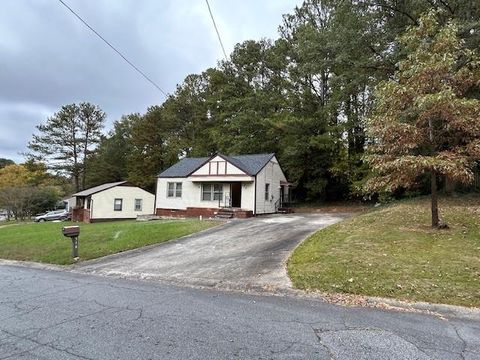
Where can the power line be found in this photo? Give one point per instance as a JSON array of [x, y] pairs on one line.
[[216, 29], [114, 49]]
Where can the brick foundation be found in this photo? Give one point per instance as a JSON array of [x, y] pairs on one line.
[[170, 212], [196, 212], [205, 212], [189, 212]]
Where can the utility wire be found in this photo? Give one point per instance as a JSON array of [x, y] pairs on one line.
[[216, 29], [114, 49]]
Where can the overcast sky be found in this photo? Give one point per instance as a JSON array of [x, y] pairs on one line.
[[48, 58]]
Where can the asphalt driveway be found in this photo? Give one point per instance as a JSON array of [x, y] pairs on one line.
[[240, 254]]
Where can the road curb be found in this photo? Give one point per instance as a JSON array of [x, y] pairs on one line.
[[33, 265], [444, 310], [440, 310]]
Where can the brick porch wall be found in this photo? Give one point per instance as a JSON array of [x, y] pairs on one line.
[[81, 215], [243, 214], [189, 212], [196, 212]]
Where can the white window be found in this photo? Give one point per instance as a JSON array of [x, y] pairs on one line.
[[171, 189], [117, 204], [206, 192], [178, 190], [267, 191], [138, 204], [218, 192], [174, 189], [212, 192]]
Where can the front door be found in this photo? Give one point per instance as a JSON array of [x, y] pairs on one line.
[[236, 194]]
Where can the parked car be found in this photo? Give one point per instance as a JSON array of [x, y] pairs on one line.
[[54, 215]]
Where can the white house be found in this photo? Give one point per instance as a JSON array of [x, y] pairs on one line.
[[244, 185], [112, 201]]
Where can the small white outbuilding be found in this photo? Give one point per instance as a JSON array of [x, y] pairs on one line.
[[112, 201]]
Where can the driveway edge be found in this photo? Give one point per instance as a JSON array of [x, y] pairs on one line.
[[141, 249]]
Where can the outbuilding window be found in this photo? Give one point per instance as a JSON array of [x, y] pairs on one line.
[[174, 189], [117, 204], [267, 191], [212, 192], [138, 204]]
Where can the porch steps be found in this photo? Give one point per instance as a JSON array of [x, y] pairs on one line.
[[285, 210], [225, 213]]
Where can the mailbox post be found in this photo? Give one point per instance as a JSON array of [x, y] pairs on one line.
[[72, 232]]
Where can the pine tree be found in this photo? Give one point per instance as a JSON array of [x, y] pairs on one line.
[[66, 139]]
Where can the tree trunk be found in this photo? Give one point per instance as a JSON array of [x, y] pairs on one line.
[[83, 173], [76, 180], [435, 220], [449, 185], [85, 151]]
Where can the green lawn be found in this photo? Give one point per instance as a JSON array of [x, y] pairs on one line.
[[44, 242], [392, 252]]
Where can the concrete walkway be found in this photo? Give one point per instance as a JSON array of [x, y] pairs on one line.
[[241, 254]]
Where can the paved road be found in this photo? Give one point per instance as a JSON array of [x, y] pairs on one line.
[[241, 254], [63, 315]]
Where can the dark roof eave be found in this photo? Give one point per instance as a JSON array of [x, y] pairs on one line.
[[170, 177], [99, 188]]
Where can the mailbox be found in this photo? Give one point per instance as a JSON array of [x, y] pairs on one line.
[[72, 232]]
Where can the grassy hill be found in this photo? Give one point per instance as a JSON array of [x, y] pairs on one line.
[[393, 252]]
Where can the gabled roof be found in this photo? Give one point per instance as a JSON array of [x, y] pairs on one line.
[[184, 167], [98, 188], [250, 164]]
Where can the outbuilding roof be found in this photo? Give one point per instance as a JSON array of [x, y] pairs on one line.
[[251, 164], [98, 188]]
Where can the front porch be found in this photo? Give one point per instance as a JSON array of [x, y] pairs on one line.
[[81, 210], [219, 193], [229, 213]]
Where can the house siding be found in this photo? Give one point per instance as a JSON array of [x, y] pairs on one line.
[[271, 174], [248, 190], [191, 195]]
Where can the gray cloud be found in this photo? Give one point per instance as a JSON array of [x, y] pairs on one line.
[[48, 58]]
